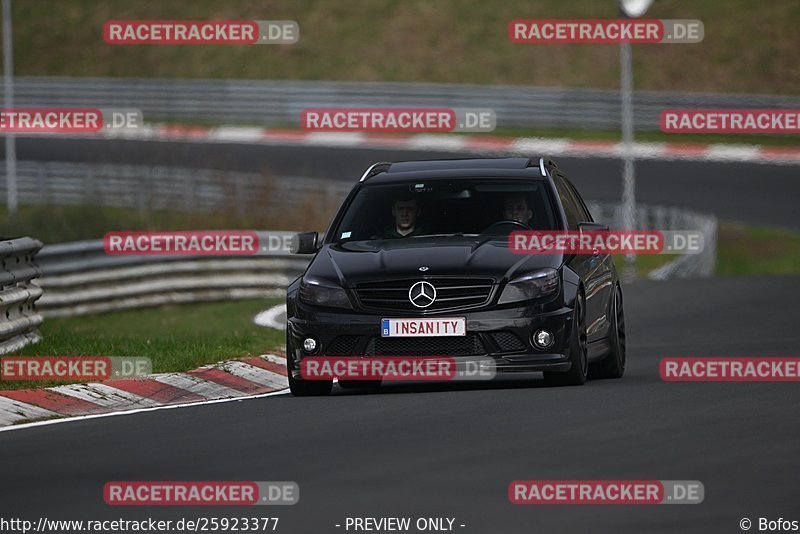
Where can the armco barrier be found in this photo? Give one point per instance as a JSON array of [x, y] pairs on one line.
[[18, 293], [275, 102], [148, 187], [669, 219], [80, 278]]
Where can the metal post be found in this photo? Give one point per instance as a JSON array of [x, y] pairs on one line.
[[8, 73], [628, 175]]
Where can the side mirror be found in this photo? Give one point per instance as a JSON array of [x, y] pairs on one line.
[[305, 243], [592, 227]]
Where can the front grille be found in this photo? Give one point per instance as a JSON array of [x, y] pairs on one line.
[[342, 346], [507, 341], [469, 345], [451, 294]]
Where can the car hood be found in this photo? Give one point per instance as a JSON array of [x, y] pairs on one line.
[[352, 262]]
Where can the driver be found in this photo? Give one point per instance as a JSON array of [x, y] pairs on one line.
[[405, 214], [515, 208]]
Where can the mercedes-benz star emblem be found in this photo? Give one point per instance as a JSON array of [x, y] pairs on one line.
[[422, 294]]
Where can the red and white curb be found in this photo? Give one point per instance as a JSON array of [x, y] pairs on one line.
[[480, 144], [272, 318], [234, 379]]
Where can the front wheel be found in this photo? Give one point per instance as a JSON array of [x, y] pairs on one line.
[[613, 366], [578, 351]]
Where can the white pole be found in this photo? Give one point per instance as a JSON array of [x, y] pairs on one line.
[[8, 79], [628, 174]]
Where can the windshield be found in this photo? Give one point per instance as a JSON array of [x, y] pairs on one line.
[[474, 206]]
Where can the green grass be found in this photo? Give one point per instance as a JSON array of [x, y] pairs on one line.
[[741, 250], [175, 338], [57, 224], [746, 250], [749, 46]]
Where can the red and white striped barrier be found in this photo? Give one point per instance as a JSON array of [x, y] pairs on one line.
[[480, 144]]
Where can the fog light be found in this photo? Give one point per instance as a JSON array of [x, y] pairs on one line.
[[542, 339], [309, 344]]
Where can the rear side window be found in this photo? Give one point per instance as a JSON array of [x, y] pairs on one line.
[[583, 211], [571, 209]]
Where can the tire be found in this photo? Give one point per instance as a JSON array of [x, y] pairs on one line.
[[578, 351], [360, 384], [304, 388], [613, 366]]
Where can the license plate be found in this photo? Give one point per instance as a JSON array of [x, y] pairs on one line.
[[448, 326]]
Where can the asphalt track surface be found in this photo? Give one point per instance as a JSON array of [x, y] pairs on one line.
[[753, 193], [451, 451]]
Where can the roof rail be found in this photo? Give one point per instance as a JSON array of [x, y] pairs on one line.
[[542, 163], [546, 163], [375, 168]]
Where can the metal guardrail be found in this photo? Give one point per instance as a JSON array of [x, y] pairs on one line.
[[147, 187], [271, 102], [80, 278], [669, 218], [18, 293]]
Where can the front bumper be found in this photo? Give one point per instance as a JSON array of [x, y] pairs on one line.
[[501, 334]]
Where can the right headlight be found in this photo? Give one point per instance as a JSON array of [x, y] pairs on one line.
[[323, 293], [531, 286]]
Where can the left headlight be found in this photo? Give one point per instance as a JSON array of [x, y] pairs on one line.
[[322, 293], [531, 286]]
